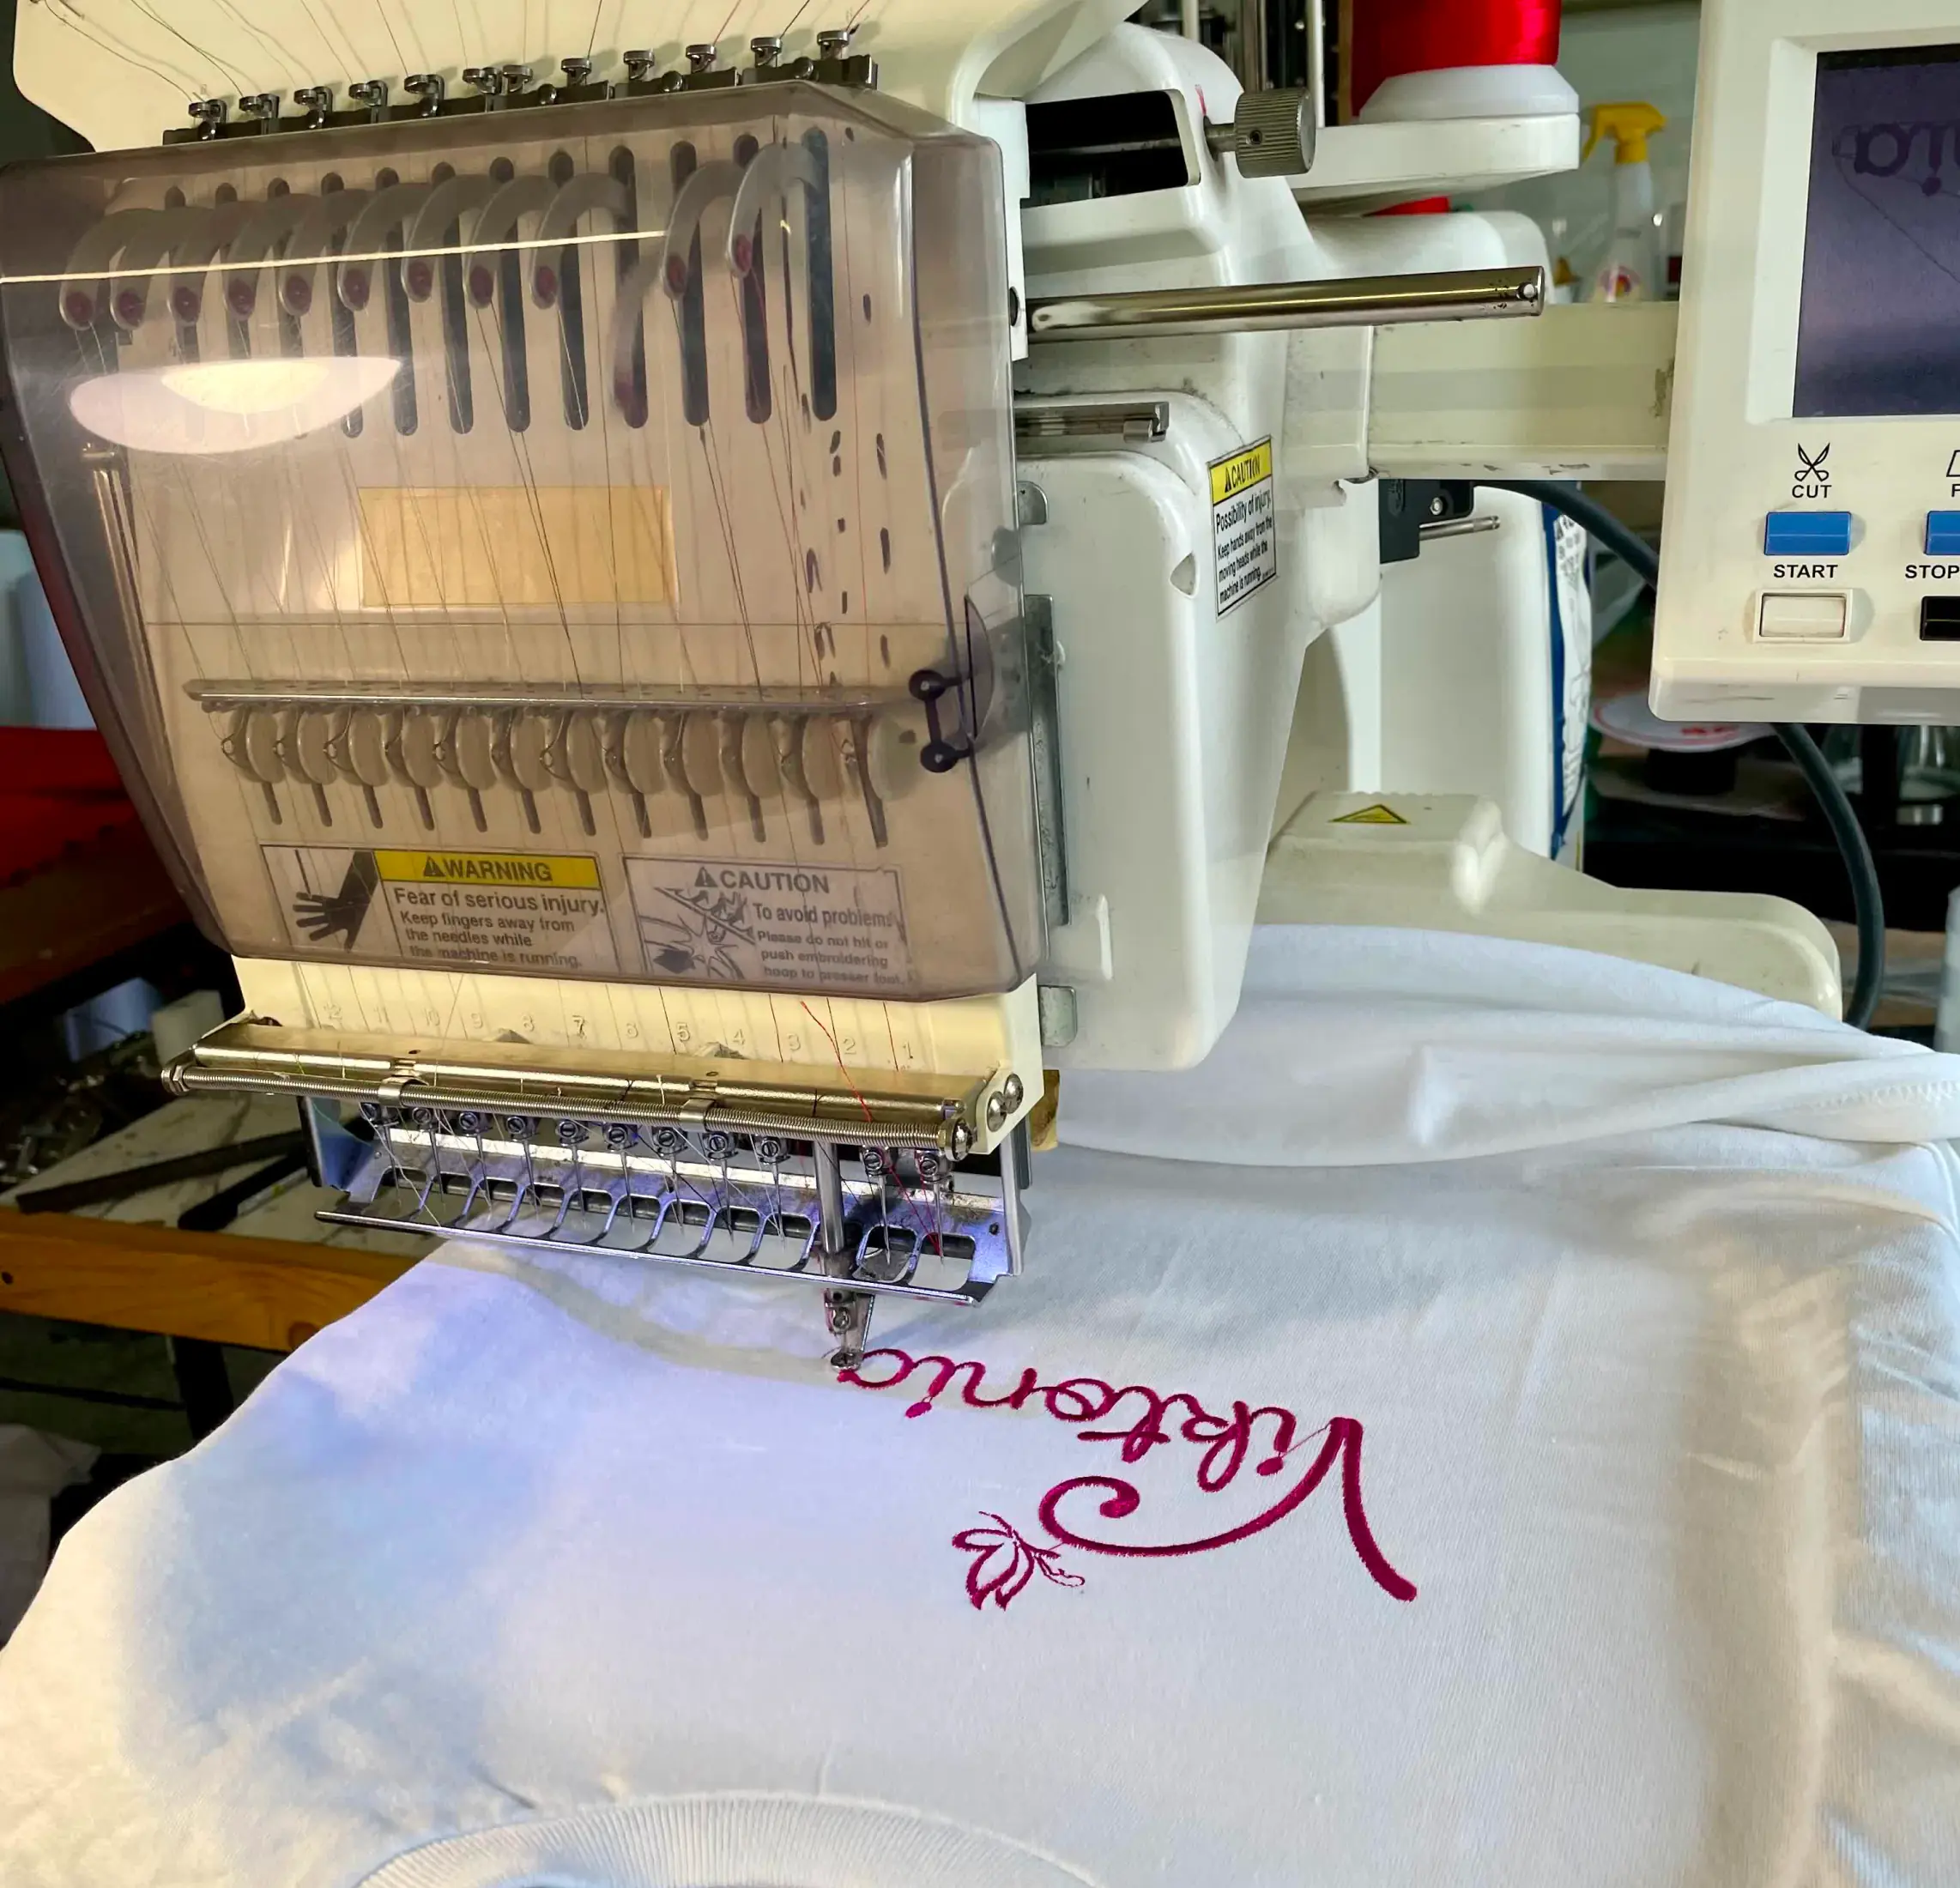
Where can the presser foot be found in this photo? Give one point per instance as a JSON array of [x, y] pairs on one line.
[[847, 1316]]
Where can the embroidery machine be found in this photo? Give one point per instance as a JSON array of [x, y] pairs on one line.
[[696, 616]]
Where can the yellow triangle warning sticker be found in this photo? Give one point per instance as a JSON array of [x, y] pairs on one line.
[[1376, 815]]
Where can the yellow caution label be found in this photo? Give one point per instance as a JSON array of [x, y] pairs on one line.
[[1376, 815], [1240, 470], [570, 874]]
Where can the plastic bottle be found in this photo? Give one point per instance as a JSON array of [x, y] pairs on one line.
[[1631, 269]]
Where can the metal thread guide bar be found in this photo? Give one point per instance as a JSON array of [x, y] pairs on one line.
[[508, 87], [758, 1170], [1460, 295]]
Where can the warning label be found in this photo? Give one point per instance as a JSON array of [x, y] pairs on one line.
[[524, 910], [576, 874], [1245, 538], [726, 920], [1379, 814]]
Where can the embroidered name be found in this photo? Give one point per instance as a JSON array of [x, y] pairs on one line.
[[1137, 1420]]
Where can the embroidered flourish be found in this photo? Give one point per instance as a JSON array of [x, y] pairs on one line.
[[1005, 1560], [1262, 1439]]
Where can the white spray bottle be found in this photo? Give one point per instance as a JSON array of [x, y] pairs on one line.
[[1631, 269]]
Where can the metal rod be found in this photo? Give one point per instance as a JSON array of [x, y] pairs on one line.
[[188, 1079], [1459, 527], [1355, 301], [219, 695], [125, 1181], [830, 1198], [375, 1219]]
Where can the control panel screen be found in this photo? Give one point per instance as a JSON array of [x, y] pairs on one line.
[[1876, 333]]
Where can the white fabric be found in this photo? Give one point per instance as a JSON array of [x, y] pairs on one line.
[[595, 1575], [1353, 1047]]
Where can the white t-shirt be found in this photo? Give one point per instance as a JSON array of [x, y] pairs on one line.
[[1530, 1505]]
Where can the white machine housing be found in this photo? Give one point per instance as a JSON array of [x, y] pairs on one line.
[[1174, 635], [1814, 373]]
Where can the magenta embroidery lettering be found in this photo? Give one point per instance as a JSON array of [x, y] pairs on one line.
[[1005, 1560], [1138, 1419]]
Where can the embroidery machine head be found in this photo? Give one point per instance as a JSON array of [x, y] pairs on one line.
[[694, 625]]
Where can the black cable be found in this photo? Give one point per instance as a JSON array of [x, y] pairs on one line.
[[1868, 896]]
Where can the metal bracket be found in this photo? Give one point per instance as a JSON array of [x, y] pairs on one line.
[[1138, 422], [334, 1154], [1044, 744], [1061, 1017]]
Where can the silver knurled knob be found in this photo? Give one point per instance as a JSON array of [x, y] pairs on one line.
[[1271, 134]]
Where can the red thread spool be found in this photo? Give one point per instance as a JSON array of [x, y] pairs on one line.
[[1391, 37]]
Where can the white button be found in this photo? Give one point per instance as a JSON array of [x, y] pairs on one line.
[[1801, 616]]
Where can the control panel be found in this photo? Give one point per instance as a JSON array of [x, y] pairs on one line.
[[1810, 544]]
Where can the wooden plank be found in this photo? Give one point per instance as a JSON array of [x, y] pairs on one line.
[[231, 1288]]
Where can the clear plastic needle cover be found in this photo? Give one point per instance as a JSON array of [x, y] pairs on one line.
[[577, 542]]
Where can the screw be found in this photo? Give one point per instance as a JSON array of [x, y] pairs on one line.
[[1012, 1091], [840, 1319], [767, 48], [1438, 506], [996, 1112], [700, 58], [962, 1141], [770, 1149], [717, 1144]]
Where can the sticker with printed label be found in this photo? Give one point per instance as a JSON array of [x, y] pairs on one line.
[[517, 910], [1379, 814], [732, 921], [1245, 537]]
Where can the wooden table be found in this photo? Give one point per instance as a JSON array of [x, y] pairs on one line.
[[224, 1287], [269, 1282]]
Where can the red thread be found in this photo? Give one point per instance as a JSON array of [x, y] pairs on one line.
[[1225, 1441], [1004, 1561], [838, 1053], [1391, 37], [1343, 1439]]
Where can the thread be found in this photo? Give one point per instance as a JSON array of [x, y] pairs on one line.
[[1391, 37]]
